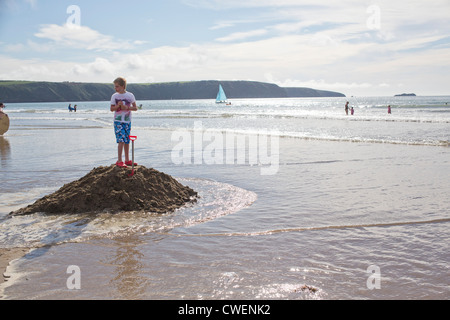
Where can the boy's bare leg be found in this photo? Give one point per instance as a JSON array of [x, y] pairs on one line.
[[119, 151], [127, 152]]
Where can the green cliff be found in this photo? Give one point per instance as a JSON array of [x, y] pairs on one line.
[[30, 91]]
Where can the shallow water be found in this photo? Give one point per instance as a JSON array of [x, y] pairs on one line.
[[333, 208]]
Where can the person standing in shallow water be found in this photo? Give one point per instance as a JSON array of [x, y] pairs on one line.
[[389, 109], [122, 103], [346, 108], [1, 109]]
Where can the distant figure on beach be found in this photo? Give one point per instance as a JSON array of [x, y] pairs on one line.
[[122, 103], [346, 108], [4, 123], [352, 111], [1, 109], [389, 109], [75, 108], [70, 107]]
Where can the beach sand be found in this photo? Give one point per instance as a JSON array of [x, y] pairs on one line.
[[114, 190], [153, 186], [148, 187], [8, 255], [332, 210]]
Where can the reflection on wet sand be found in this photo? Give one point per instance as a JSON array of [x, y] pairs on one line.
[[5, 151], [129, 282]]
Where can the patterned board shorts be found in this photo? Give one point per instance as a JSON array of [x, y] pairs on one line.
[[122, 131]]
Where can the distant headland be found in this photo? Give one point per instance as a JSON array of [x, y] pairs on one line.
[[40, 91], [405, 95]]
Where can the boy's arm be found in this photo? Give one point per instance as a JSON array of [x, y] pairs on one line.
[[117, 107], [133, 107], [125, 108]]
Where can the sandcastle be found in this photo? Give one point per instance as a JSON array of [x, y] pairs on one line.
[[112, 189]]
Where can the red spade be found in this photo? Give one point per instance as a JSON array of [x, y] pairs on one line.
[[132, 138]]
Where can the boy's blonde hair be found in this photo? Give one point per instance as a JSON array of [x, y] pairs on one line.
[[121, 82]]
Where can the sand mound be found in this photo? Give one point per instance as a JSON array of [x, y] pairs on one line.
[[111, 189]]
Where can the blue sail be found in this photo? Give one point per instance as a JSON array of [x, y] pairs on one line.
[[221, 97]]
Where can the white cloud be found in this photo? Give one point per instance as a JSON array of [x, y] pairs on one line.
[[222, 25], [238, 36], [322, 84], [309, 43], [102, 65], [13, 48], [81, 37], [34, 69], [236, 4]]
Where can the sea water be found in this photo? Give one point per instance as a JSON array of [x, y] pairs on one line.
[[356, 206]]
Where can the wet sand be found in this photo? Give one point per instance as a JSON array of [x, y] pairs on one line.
[[8, 255], [333, 209], [159, 192]]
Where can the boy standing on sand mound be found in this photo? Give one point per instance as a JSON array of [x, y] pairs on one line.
[[122, 103]]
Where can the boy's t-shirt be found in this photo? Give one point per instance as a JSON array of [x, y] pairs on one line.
[[127, 98]]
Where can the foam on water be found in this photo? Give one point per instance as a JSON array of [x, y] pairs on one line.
[[36, 230], [318, 118]]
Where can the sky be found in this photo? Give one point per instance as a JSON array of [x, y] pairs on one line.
[[359, 48]]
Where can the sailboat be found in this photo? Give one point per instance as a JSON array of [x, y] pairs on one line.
[[221, 96]]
